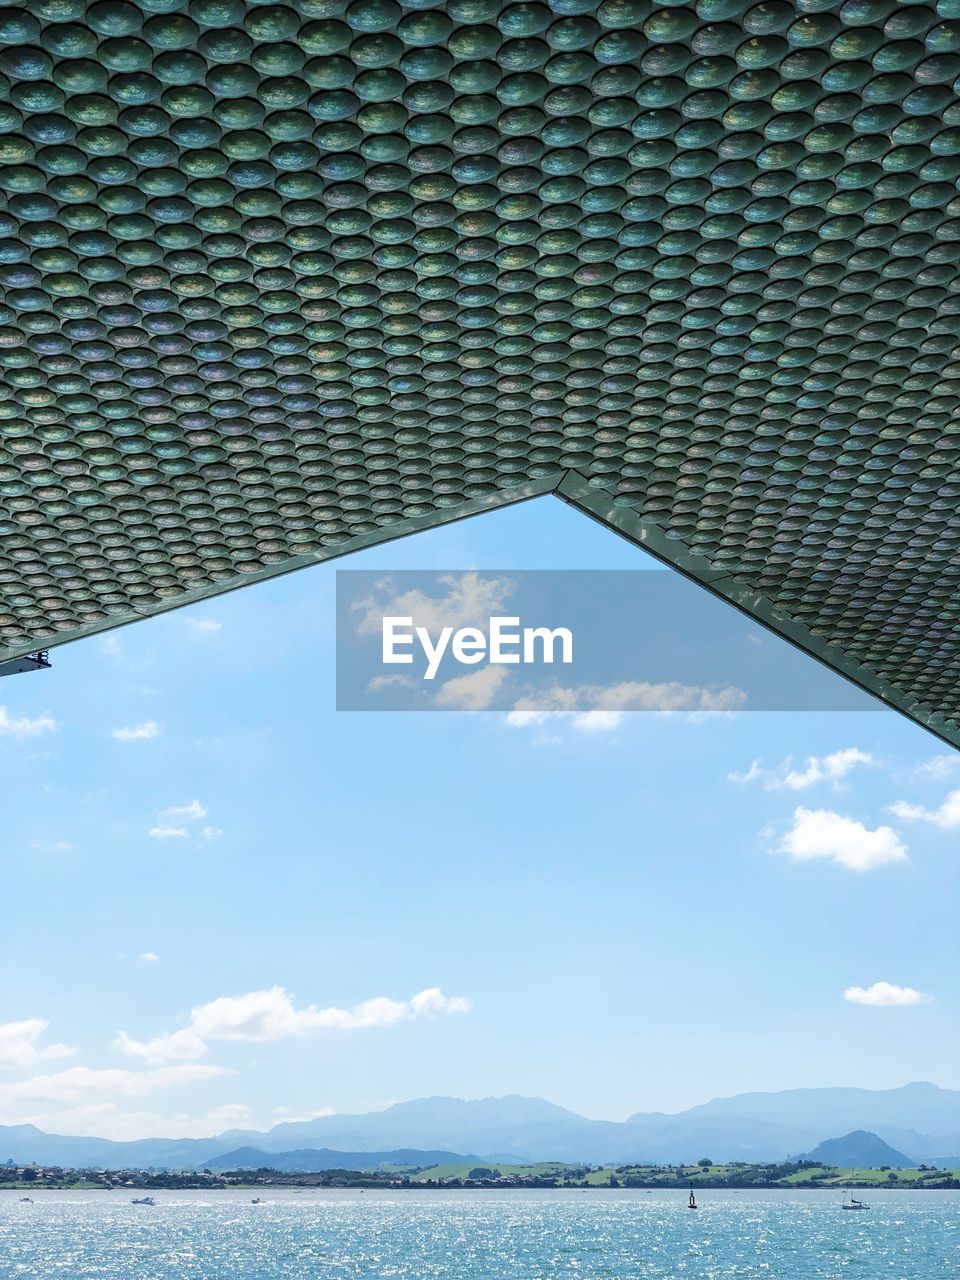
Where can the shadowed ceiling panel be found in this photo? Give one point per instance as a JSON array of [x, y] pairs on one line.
[[283, 280]]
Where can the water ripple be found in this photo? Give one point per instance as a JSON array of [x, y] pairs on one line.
[[490, 1235]]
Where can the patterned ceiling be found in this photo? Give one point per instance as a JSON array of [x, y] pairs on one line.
[[279, 281]]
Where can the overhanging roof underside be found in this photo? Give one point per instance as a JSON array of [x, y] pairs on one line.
[[282, 281]]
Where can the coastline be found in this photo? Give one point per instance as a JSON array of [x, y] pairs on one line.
[[269, 1184]]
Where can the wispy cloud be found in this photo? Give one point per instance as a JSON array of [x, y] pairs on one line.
[[288, 1116], [391, 682], [12, 726], [227, 1116], [271, 1014], [588, 708], [473, 692], [885, 995], [149, 957], [831, 768], [85, 1082], [937, 768], [753, 774], [178, 1046], [19, 1048], [260, 1016], [203, 626], [600, 709], [138, 732], [99, 1115], [172, 823], [596, 721], [470, 600], [947, 814], [820, 833]]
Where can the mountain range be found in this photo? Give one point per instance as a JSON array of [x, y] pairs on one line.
[[315, 1161], [920, 1119]]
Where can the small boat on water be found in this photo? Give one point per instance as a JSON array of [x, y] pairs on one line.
[[258, 1200], [143, 1200], [851, 1203], [25, 1200], [692, 1202]]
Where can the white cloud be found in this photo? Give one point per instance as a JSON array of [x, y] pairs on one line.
[[189, 812], [289, 1116], [825, 768], [633, 695], [377, 683], [171, 823], [936, 768], [138, 732], [226, 1116], [473, 692], [600, 708], [149, 957], [259, 1016], [24, 726], [750, 775], [831, 768], [110, 645], [820, 833], [597, 721], [203, 626], [946, 816], [470, 601], [83, 1083], [179, 1046], [18, 1044], [106, 1119], [432, 1003], [271, 1015], [208, 834], [885, 995]]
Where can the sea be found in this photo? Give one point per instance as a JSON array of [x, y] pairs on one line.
[[478, 1235]]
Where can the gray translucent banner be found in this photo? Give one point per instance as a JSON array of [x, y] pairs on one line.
[[587, 643]]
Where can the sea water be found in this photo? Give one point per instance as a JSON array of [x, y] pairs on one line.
[[478, 1235]]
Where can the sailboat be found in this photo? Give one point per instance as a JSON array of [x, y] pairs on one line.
[[692, 1202], [850, 1203]]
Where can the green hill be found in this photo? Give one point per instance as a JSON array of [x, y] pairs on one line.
[[860, 1150]]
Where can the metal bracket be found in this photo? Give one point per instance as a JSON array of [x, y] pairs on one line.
[[38, 661]]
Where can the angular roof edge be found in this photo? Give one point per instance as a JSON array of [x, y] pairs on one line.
[[602, 506]]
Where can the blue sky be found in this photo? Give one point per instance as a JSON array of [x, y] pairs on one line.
[[210, 874]]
